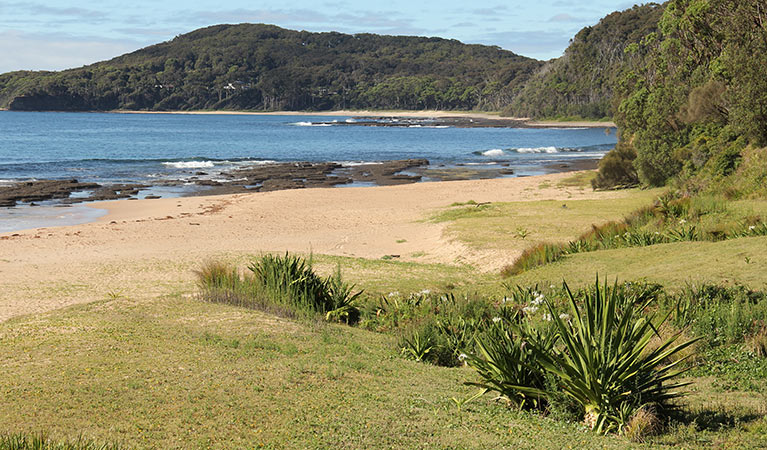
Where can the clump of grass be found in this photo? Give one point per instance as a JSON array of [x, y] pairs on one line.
[[757, 343], [284, 285], [643, 425], [21, 441], [537, 255]]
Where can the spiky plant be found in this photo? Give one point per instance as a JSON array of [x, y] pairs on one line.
[[604, 361], [506, 363]]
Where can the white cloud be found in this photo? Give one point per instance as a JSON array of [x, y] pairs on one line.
[[25, 51]]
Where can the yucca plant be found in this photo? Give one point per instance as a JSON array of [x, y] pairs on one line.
[[342, 301], [506, 362], [603, 360], [417, 345]]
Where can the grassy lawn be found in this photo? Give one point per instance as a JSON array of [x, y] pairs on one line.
[[152, 366], [514, 226], [176, 372], [730, 262]]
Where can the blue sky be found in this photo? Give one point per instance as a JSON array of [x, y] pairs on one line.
[[58, 34]]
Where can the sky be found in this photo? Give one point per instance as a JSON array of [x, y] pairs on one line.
[[60, 34]]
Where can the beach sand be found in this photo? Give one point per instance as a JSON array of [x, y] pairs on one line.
[[152, 246]]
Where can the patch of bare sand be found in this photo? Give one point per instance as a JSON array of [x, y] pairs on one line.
[[150, 247]]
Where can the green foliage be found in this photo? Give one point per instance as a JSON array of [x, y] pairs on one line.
[[582, 81], [537, 255], [264, 67], [599, 355], [697, 99], [616, 169], [720, 315]]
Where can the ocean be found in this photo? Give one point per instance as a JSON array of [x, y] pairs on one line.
[[147, 148]]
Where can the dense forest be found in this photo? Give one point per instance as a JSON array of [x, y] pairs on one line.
[[264, 67], [693, 106], [582, 81]]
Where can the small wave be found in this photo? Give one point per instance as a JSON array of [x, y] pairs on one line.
[[537, 150], [311, 124], [189, 164], [494, 152], [350, 121], [414, 126], [437, 126]]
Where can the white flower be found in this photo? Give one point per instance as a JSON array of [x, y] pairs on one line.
[[425, 292], [530, 309], [505, 300], [538, 299], [752, 228], [657, 232], [496, 319], [393, 294], [462, 357], [552, 287], [682, 221], [564, 316], [547, 317]]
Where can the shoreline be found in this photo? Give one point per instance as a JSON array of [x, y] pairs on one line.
[[152, 244], [412, 114], [60, 209]]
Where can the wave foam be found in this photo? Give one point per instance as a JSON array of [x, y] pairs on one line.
[[493, 152], [189, 164], [537, 150], [311, 124]]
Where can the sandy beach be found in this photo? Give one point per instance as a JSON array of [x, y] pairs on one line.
[[152, 246]]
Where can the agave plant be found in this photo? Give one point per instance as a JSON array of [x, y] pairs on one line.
[[604, 361], [507, 364]]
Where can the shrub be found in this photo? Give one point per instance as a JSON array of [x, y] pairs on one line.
[[616, 169], [598, 354], [604, 362], [506, 363]]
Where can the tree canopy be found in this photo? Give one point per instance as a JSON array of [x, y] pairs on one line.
[[264, 67]]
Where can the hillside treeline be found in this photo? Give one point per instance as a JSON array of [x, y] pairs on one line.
[[264, 67], [581, 82], [693, 106]]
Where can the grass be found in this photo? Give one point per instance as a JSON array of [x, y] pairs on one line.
[[178, 373], [669, 264], [494, 226]]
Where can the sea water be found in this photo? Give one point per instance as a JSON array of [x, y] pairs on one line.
[[151, 148]]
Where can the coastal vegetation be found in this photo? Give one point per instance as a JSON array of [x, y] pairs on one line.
[[692, 103], [272, 350], [580, 83], [264, 67]]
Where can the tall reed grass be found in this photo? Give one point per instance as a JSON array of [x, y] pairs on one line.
[[284, 285]]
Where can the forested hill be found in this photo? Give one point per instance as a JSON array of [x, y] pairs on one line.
[[581, 82], [264, 67]]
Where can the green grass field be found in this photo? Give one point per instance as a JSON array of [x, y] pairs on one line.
[[163, 369]]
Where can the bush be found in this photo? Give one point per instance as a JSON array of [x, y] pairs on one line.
[[598, 354], [616, 169]]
